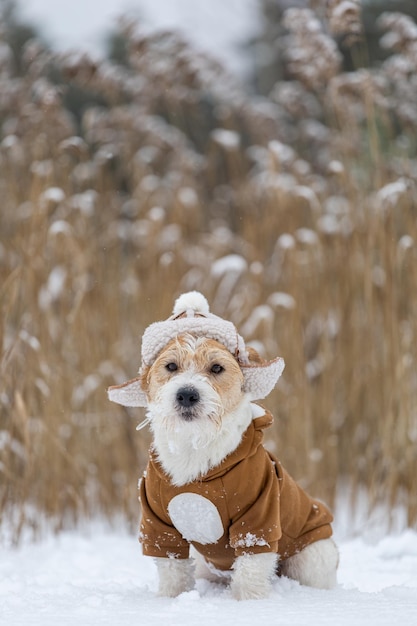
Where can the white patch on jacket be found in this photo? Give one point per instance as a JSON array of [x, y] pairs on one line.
[[196, 518]]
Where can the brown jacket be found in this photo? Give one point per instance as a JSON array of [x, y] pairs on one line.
[[247, 504]]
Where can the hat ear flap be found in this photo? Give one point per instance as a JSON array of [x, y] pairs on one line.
[[129, 393], [260, 379]]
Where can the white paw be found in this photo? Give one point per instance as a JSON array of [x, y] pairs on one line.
[[250, 592], [253, 575], [315, 566], [168, 590], [175, 576]]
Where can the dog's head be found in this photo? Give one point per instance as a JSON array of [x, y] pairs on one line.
[[197, 381]]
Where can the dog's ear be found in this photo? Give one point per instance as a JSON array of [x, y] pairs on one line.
[[254, 357], [144, 377]]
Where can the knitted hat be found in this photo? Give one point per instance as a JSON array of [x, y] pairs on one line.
[[192, 315]]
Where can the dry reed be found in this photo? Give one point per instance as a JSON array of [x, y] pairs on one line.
[[168, 178]]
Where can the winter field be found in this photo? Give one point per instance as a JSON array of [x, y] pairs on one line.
[[290, 201], [98, 576]]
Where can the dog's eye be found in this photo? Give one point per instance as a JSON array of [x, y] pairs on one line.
[[216, 369], [171, 367]]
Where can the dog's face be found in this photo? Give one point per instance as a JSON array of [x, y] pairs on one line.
[[193, 380], [197, 409]]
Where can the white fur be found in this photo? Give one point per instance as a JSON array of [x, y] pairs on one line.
[[253, 575], [188, 450], [315, 566], [175, 576]]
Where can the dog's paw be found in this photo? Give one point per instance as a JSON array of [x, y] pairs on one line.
[[252, 576], [244, 592], [167, 590], [175, 576]]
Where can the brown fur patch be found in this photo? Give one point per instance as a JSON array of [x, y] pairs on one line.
[[197, 356]]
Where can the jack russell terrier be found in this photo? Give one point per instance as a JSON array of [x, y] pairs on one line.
[[210, 484]]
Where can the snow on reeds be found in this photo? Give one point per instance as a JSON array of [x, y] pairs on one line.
[[294, 214]]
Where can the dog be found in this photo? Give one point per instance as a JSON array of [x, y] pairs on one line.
[[210, 484]]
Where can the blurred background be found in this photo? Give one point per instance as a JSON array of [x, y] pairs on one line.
[[263, 152]]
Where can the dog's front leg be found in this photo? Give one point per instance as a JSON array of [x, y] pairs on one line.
[[175, 576], [253, 575]]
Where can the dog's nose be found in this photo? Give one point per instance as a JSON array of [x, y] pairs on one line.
[[187, 396]]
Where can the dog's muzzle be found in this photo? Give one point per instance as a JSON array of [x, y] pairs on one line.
[[187, 398]]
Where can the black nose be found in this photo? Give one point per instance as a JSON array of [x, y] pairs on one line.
[[187, 396]]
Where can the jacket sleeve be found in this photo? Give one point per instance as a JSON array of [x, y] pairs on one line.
[[257, 527], [157, 536]]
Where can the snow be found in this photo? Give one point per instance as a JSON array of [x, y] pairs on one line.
[[188, 197], [60, 227], [406, 242], [285, 154], [286, 241], [54, 287], [249, 540], [336, 167], [32, 341], [53, 194], [85, 201], [329, 225], [307, 236], [228, 139], [98, 576], [389, 195], [232, 263], [281, 299], [261, 313]]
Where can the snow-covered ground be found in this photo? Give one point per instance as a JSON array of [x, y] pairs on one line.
[[98, 576]]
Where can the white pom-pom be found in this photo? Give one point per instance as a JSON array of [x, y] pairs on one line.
[[194, 301]]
